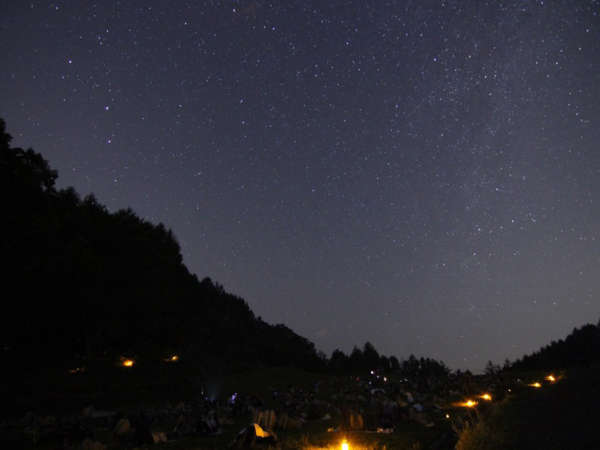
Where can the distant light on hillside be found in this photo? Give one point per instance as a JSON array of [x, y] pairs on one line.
[[128, 363], [536, 385], [551, 378], [467, 404], [486, 396]]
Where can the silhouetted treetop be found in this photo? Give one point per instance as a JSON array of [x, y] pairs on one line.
[[580, 348], [25, 167]]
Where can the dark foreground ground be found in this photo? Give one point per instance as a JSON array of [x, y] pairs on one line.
[[562, 416], [39, 407], [51, 408]]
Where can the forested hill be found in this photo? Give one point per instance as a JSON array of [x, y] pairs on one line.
[[581, 348], [84, 283]]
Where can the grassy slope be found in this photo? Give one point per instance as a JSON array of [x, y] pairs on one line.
[[562, 416]]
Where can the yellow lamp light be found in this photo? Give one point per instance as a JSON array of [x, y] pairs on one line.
[[128, 363], [551, 378], [536, 385], [486, 396]]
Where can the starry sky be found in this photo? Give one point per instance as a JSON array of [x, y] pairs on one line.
[[423, 175]]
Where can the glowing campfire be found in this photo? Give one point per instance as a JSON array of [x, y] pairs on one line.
[[345, 445]]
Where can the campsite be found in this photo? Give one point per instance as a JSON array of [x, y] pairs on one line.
[[287, 408], [101, 370], [300, 225]]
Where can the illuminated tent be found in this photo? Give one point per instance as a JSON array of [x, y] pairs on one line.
[[259, 432], [253, 434]]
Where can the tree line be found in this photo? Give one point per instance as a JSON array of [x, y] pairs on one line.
[[581, 348], [83, 283]]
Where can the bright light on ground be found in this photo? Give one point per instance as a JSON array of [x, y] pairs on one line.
[[467, 404]]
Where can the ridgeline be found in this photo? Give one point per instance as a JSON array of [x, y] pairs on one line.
[[88, 284], [86, 289]]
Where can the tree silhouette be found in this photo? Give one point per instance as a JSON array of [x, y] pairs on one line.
[[338, 361], [581, 348], [87, 283], [90, 282], [370, 356]]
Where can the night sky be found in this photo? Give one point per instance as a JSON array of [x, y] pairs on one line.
[[424, 175]]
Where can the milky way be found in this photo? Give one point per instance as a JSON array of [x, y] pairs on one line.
[[423, 175]]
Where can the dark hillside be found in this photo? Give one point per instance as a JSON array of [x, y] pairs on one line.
[[581, 348], [561, 416], [84, 283]]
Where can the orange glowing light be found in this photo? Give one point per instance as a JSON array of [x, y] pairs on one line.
[[486, 396], [551, 378], [467, 404], [345, 445], [128, 363], [536, 385]]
